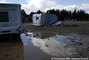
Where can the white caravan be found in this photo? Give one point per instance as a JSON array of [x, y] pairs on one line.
[[10, 19], [44, 19]]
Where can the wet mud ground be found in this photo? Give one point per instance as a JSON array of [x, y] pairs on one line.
[[11, 49], [44, 46], [80, 27], [44, 43], [62, 46], [68, 41]]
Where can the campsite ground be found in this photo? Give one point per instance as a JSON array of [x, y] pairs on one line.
[[80, 27], [78, 32], [11, 49]]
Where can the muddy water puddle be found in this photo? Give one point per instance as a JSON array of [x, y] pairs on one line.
[[44, 46]]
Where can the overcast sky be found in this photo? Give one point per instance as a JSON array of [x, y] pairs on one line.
[[44, 5]]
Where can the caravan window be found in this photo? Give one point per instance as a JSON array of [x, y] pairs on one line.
[[4, 17], [37, 18]]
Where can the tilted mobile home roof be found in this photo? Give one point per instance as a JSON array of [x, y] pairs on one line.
[[37, 14]]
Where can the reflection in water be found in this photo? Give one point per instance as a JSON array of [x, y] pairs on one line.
[[40, 46], [31, 52], [56, 46]]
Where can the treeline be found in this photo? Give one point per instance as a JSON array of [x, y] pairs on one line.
[[28, 18], [62, 15]]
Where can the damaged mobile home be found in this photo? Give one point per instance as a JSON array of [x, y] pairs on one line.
[[10, 19], [44, 19]]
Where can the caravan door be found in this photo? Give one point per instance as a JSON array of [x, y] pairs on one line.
[[37, 19]]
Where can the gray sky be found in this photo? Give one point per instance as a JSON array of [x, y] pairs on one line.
[[44, 5]]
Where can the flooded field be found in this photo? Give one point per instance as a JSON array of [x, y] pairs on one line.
[[45, 43], [44, 46], [39, 46]]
